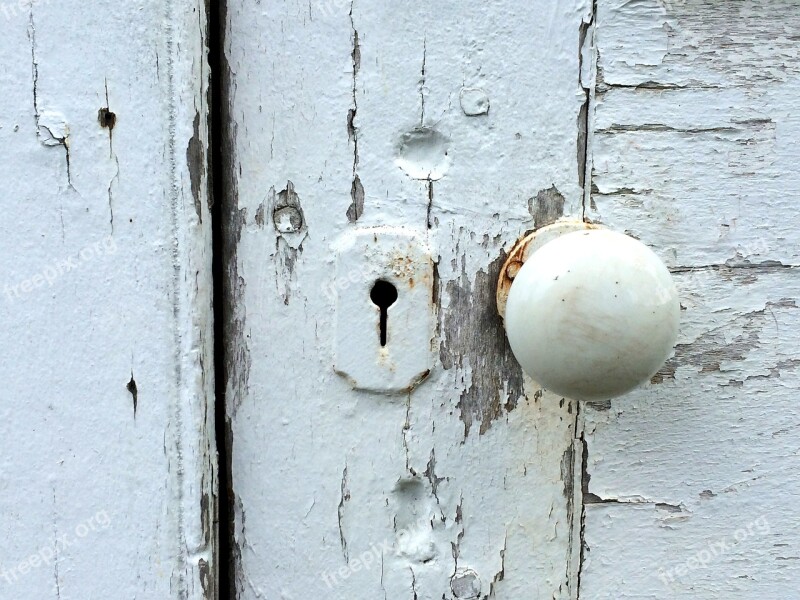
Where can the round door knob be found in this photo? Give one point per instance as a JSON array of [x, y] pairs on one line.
[[589, 313]]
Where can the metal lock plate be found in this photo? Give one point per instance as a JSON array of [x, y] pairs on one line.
[[384, 309]]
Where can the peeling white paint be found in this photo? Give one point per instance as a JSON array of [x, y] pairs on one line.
[[690, 483], [106, 419], [473, 471]]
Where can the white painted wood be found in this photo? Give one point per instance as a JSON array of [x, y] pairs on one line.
[[106, 420], [679, 470], [691, 483], [694, 144], [460, 119]]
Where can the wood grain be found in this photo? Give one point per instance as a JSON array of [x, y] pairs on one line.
[[459, 120], [689, 482], [107, 477]]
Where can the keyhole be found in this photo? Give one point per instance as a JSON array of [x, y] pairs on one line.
[[383, 295]]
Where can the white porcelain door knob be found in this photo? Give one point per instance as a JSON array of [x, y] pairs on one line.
[[591, 314]]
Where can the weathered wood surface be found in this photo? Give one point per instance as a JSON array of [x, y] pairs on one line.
[[691, 483], [462, 120], [106, 420]]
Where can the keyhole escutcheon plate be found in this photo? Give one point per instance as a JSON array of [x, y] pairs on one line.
[[383, 286]]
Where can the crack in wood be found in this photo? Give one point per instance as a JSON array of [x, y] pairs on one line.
[[356, 208], [344, 498]]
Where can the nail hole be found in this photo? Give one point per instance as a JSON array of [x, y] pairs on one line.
[[106, 118]]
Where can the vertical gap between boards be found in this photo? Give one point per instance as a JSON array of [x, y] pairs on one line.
[[224, 559]]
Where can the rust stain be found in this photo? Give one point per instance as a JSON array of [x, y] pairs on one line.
[[514, 261]]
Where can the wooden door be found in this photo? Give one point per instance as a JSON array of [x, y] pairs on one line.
[[457, 125], [690, 484], [469, 124], [107, 460], [374, 164]]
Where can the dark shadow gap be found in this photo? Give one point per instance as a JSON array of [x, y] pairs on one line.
[[216, 10]]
